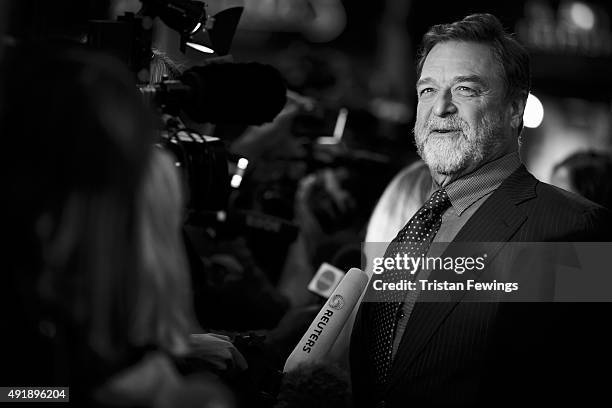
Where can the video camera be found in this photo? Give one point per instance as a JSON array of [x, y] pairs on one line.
[[220, 92]]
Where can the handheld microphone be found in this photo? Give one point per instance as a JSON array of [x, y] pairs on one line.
[[324, 330], [235, 93]]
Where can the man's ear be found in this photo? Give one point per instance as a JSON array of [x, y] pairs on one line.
[[517, 108]]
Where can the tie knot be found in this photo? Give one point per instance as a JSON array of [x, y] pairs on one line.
[[438, 202]]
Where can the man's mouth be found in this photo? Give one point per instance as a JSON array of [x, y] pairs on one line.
[[444, 130]]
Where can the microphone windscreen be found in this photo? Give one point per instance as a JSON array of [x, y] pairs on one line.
[[234, 93], [324, 330], [326, 280]]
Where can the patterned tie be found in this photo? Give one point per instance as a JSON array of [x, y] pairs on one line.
[[413, 240]]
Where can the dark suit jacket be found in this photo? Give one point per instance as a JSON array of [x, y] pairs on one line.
[[477, 354]]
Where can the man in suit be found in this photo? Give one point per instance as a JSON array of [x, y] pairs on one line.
[[473, 82]]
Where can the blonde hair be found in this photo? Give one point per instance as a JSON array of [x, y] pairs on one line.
[[404, 195], [147, 304], [402, 198], [164, 311]]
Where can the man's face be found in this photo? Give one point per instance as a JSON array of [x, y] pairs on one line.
[[462, 120]]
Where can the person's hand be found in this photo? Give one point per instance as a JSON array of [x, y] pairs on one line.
[[321, 202], [274, 137], [217, 350], [293, 325], [283, 338]]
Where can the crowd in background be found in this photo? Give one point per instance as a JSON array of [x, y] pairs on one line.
[[108, 287]]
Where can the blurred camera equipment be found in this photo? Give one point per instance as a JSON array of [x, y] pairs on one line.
[[219, 92], [223, 93], [130, 36]]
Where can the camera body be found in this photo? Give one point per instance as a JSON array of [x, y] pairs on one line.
[[202, 159]]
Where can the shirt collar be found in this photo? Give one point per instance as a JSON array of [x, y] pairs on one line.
[[466, 190]]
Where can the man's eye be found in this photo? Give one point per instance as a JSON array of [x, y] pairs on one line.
[[425, 91], [464, 90]]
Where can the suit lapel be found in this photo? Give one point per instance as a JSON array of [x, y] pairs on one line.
[[494, 222]]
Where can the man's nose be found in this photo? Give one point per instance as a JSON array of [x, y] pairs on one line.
[[444, 105]]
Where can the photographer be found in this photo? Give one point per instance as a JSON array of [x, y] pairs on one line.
[[72, 213], [99, 294], [96, 279]]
